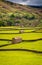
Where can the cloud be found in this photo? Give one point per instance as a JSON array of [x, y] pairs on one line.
[[28, 2]]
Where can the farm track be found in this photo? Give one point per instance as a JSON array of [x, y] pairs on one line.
[[27, 50]]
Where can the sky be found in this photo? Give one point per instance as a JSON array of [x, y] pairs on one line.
[[28, 2]]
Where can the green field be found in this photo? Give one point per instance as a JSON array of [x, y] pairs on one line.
[[20, 57]]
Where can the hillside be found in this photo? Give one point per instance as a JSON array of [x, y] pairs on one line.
[[12, 14]]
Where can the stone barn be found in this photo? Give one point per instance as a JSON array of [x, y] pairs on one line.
[[21, 31], [16, 40]]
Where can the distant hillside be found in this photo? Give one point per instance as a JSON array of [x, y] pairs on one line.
[[12, 14], [35, 6]]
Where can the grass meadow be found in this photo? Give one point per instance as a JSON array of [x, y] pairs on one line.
[[30, 52]]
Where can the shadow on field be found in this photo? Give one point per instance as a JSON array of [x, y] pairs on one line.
[[5, 45], [32, 40], [27, 50], [22, 41], [10, 33], [21, 33], [34, 51], [12, 29], [4, 29]]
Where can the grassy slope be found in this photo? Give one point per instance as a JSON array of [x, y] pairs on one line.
[[8, 8], [21, 57]]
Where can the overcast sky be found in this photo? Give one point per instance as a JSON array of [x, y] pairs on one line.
[[28, 2]]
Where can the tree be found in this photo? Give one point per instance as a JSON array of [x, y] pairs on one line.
[[12, 16]]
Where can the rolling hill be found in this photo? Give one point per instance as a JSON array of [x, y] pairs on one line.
[[13, 14]]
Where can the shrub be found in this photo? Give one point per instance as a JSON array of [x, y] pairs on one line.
[[29, 16]]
